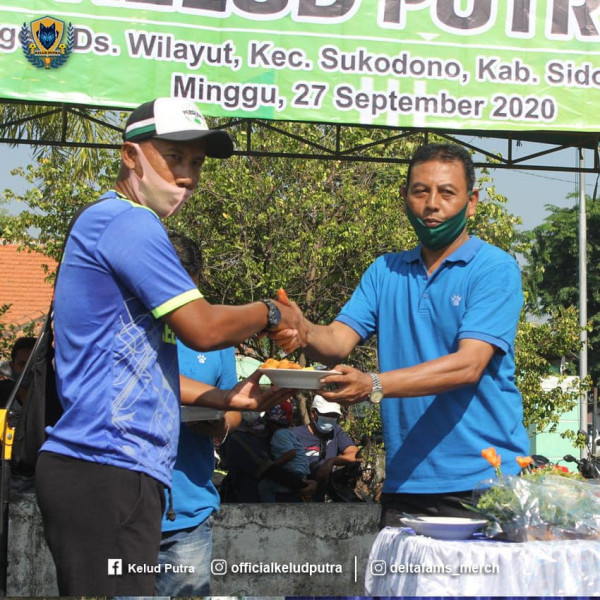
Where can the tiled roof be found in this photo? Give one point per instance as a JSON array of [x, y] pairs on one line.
[[23, 285]]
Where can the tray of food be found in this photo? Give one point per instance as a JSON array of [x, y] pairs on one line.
[[288, 374]]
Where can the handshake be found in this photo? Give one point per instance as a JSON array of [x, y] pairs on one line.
[[292, 330], [328, 344]]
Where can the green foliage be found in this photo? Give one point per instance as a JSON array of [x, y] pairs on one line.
[[311, 227], [57, 188], [536, 346], [551, 273], [53, 124], [493, 223], [541, 504], [10, 332], [365, 424]]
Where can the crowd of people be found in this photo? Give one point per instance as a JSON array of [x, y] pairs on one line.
[[269, 460], [121, 476]]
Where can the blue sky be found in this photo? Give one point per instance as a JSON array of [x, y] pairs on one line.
[[529, 191]]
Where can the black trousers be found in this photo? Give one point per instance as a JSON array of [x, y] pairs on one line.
[[432, 505], [94, 516]]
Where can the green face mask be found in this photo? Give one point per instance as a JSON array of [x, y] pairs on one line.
[[444, 234]]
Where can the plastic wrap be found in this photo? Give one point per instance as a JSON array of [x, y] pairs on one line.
[[539, 507]]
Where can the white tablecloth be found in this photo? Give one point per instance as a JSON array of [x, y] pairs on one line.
[[404, 564]]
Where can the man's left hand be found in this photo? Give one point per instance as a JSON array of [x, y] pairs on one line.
[[248, 395]]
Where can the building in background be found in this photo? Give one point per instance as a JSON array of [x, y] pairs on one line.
[[23, 287]]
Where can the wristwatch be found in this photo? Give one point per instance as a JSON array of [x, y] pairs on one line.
[[377, 390], [273, 316]]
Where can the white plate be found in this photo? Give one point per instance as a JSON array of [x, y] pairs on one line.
[[302, 379], [445, 528], [199, 413]]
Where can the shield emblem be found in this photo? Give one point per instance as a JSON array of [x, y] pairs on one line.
[[47, 34]]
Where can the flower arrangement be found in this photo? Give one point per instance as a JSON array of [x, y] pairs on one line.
[[541, 503]]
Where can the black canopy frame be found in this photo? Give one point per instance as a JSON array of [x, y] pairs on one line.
[[513, 151]]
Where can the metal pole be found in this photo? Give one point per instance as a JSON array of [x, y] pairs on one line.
[[583, 363]]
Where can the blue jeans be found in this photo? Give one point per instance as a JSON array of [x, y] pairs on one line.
[[185, 561]]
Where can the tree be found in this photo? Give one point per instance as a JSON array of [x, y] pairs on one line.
[[71, 124], [311, 227], [536, 347], [57, 188], [551, 273], [10, 332]]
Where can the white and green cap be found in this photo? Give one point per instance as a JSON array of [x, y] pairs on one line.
[[176, 120]]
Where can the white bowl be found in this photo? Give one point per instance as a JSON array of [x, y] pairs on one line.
[[444, 528], [302, 379]]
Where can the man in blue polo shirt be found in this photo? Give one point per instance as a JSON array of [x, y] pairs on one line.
[[445, 314], [186, 545]]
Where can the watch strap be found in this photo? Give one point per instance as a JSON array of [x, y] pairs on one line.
[[377, 390], [273, 314]]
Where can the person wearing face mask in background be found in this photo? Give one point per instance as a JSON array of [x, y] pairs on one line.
[[258, 471], [325, 443], [122, 300], [287, 451], [445, 314]]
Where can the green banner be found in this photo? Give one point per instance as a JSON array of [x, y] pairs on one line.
[[452, 64]]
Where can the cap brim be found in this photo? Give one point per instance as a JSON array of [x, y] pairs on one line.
[[218, 142], [325, 410]]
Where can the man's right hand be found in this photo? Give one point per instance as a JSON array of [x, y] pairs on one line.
[[292, 331]]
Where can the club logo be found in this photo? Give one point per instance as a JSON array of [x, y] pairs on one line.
[[194, 116], [47, 43], [456, 300]]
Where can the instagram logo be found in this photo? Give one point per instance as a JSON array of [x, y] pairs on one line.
[[378, 568], [218, 566]]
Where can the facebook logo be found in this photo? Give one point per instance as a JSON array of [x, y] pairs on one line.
[[115, 566]]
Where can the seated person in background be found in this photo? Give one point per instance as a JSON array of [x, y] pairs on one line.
[[286, 451], [247, 458], [325, 443]]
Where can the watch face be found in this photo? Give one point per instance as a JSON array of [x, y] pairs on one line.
[[376, 396], [274, 316]]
